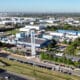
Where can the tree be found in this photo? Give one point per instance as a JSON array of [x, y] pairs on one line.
[[64, 42], [66, 26], [51, 28], [70, 50]]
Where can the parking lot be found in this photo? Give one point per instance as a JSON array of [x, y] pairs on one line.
[[47, 65]]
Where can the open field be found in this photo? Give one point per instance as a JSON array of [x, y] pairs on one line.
[[35, 72]]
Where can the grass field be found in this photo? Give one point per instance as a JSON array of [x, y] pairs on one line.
[[35, 72], [14, 31]]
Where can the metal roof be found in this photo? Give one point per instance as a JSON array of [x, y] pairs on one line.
[[28, 40]]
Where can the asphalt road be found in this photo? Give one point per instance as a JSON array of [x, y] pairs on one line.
[[47, 65]]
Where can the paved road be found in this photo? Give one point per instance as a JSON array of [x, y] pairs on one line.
[[50, 66], [47, 65]]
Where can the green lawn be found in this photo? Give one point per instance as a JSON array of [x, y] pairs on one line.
[[36, 72], [12, 31]]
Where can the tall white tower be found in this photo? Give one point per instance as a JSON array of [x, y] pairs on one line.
[[33, 52]]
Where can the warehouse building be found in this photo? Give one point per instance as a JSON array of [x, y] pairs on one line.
[[29, 27], [71, 32], [39, 42]]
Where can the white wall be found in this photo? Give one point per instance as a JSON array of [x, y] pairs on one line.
[[47, 36], [56, 34], [32, 27]]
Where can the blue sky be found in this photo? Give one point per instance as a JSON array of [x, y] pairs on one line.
[[40, 5]]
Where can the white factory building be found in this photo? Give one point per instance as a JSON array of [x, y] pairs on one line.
[[61, 35], [29, 27], [10, 20], [47, 36], [56, 34], [22, 40]]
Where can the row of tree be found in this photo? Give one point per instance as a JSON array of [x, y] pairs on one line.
[[63, 59], [63, 27]]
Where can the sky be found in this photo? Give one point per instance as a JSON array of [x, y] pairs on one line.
[[40, 6]]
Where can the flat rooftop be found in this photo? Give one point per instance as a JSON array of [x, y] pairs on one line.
[[28, 40]]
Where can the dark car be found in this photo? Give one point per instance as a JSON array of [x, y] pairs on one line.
[[2, 71]]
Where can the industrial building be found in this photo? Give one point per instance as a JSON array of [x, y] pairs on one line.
[[24, 39], [29, 27], [71, 32], [39, 43]]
